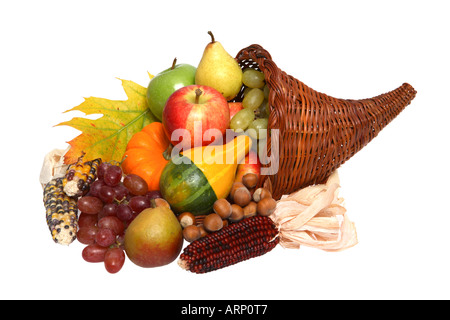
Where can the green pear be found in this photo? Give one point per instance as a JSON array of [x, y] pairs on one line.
[[219, 70]]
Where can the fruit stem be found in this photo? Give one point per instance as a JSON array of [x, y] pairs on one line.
[[167, 154], [198, 93], [173, 64], [120, 163], [212, 37]]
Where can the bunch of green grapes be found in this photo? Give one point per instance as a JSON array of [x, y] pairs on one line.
[[255, 116]]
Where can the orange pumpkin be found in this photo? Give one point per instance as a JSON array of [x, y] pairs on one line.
[[147, 153]]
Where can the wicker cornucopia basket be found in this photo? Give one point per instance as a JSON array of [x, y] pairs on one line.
[[317, 133]]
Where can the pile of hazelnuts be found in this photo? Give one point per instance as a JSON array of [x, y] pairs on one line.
[[244, 201]]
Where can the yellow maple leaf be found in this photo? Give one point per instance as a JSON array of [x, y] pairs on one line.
[[107, 136]]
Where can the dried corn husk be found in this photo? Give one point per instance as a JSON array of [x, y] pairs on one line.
[[315, 216], [53, 166]]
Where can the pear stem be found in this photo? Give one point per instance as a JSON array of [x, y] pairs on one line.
[[173, 64], [212, 37], [198, 93]]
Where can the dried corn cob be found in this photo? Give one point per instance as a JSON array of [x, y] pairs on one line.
[[61, 212], [80, 175], [236, 242]]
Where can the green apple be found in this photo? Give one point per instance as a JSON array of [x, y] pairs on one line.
[[167, 82]]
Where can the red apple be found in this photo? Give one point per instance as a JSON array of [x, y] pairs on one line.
[[234, 107], [251, 164], [196, 109]]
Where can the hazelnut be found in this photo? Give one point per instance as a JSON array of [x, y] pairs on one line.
[[237, 213], [223, 208], [261, 193], [203, 232], [242, 197], [213, 222], [225, 222], [186, 219], [250, 180], [191, 233], [236, 185], [250, 210], [266, 206]]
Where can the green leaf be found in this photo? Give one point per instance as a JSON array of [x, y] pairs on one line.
[[107, 136]]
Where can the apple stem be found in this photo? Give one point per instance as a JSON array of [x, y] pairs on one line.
[[212, 37], [173, 64], [198, 93]]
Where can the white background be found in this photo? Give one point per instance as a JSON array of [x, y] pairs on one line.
[[54, 53]]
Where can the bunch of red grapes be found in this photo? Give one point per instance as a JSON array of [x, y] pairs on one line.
[[112, 202]]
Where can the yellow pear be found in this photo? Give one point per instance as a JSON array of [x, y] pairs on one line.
[[219, 70]]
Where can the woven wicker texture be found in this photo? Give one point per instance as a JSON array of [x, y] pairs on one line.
[[317, 133]]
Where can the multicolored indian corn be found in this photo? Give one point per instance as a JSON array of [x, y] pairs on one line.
[[248, 238], [80, 175], [61, 212]]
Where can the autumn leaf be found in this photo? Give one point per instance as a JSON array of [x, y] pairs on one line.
[[107, 136]]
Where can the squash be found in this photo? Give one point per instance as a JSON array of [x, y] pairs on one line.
[[193, 181], [147, 153]]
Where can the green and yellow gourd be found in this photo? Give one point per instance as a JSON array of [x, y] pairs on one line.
[[193, 181]]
